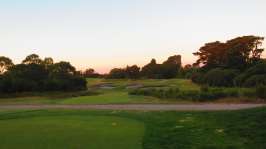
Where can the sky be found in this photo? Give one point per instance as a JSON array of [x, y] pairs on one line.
[[103, 34]]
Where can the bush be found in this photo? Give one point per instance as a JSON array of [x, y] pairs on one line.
[[249, 93], [255, 80], [204, 88], [1, 84], [253, 76], [220, 77], [232, 93], [197, 77], [238, 81], [261, 91], [191, 95], [174, 93], [257, 69]]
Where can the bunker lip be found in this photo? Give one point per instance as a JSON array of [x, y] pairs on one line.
[[141, 107]]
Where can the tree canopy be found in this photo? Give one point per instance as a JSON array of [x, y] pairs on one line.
[[237, 53], [32, 59], [168, 69], [5, 64], [235, 62], [35, 74]]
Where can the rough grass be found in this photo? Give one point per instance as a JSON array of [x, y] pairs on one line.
[[80, 129]]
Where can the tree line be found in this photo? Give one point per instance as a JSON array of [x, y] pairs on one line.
[[236, 62], [35, 74], [168, 69]]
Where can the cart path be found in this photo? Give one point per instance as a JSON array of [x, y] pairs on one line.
[[141, 107]]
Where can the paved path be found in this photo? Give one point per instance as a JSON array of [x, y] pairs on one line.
[[146, 107]]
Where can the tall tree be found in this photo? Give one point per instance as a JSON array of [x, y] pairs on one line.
[[243, 51], [151, 70], [89, 71], [168, 69], [33, 72], [32, 59], [48, 61], [132, 72], [211, 54], [34, 76], [117, 73], [63, 68], [237, 53], [5, 64], [171, 66], [174, 60]]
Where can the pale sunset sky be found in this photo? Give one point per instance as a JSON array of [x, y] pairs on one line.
[[103, 34]]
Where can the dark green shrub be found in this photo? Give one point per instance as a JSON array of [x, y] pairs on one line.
[[220, 77], [191, 95], [171, 92], [204, 94], [1, 84], [249, 93], [261, 91], [144, 92], [204, 88], [232, 93], [160, 93], [257, 69], [218, 93], [238, 81], [197, 77], [255, 80], [253, 76]]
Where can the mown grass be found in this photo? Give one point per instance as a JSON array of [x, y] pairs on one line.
[[80, 129], [106, 97], [55, 131], [110, 97]]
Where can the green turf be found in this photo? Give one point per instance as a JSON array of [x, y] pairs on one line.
[[71, 132], [120, 93], [107, 97], [110, 97], [245, 129]]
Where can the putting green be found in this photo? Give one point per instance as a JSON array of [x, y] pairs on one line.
[[71, 132]]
